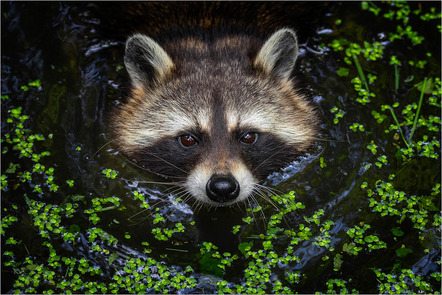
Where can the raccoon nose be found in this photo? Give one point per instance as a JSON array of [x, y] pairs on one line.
[[222, 188]]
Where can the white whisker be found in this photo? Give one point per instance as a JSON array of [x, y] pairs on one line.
[[271, 191], [129, 218], [265, 197], [149, 171], [104, 145], [271, 156], [167, 162], [159, 182]]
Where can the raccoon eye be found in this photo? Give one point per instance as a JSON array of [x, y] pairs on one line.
[[187, 140], [249, 138]]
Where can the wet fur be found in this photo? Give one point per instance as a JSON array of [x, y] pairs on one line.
[[215, 84]]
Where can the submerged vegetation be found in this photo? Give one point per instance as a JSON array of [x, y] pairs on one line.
[[57, 240]]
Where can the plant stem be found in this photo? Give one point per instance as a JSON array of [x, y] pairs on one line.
[[177, 250], [106, 209], [418, 110], [361, 73], [27, 249], [396, 77], [398, 126]]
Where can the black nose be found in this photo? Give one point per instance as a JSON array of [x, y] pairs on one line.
[[222, 188]]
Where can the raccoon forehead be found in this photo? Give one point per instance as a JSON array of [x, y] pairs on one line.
[[176, 120], [181, 120], [148, 119], [245, 104], [188, 103], [142, 132], [290, 122]]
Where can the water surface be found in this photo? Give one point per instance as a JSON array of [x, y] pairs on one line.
[[76, 50]]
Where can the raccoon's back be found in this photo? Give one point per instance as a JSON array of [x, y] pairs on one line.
[[120, 19]]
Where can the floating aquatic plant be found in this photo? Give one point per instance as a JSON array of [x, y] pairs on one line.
[[399, 133]]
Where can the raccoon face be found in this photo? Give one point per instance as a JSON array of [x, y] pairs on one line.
[[216, 117]]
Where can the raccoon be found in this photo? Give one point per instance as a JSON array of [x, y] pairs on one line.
[[214, 110]]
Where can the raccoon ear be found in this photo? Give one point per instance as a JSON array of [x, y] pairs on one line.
[[278, 54], [145, 60]]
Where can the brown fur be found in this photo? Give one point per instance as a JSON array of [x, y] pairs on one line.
[[214, 85]]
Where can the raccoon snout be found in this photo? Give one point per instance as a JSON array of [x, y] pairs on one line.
[[222, 188]]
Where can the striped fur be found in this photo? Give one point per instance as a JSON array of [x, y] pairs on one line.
[[216, 88]]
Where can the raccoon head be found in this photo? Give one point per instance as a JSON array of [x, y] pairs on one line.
[[217, 115]]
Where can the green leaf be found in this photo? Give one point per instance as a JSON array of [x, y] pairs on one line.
[[397, 232], [402, 252], [369, 239], [428, 86], [74, 228], [409, 79], [35, 83], [209, 265], [342, 72], [112, 258], [243, 247], [12, 168], [77, 198], [348, 247], [337, 262]]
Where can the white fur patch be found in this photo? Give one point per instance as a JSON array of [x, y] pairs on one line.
[[198, 178], [279, 53], [152, 54], [291, 130]]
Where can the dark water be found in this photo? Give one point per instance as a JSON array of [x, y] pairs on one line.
[[76, 51]]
